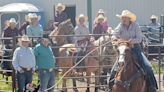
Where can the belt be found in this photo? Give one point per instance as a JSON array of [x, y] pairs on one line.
[[49, 70], [26, 69]]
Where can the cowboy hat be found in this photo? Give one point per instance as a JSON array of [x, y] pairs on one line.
[[154, 17], [60, 5], [99, 17], [101, 11], [127, 13], [25, 38], [12, 20], [81, 16], [33, 15], [28, 16]]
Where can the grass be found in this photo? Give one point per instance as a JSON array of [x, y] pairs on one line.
[[8, 87], [156, 67]]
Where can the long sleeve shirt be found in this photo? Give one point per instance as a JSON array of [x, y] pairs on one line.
[[81, 30], [8, 32], [133, 33], [34, 31], [44, 57], [23, 57]]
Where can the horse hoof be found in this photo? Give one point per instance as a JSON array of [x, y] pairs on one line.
[[75, 90], [88, 90], [96, 89], [64, 90]]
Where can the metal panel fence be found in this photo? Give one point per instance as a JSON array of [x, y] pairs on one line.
[[157, 62]]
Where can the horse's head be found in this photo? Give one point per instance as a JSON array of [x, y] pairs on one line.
[[64, 28], [124, 51]]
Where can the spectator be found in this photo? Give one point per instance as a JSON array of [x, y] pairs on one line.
[[24, 63], [153, 30], [45, 62], [11, 30], [81, 30], [98, 27], [25, 24], [60, 14], [154, 24], [34, 29], [105, 23]]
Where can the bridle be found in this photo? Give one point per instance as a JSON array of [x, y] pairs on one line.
[[127, 83]]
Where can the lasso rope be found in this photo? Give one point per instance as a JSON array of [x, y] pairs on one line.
[[76, 65]]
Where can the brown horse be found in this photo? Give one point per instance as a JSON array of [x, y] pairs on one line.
[[92, 62], [129, 75]]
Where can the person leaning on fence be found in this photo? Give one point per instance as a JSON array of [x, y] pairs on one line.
[[34, 29], [45, 63], [129, 30], [24, 63], [25, 24], [154, 22], [11, 30], [81, 32], [98, 28], [60, 14]]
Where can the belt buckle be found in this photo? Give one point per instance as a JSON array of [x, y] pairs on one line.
[[51, 69], [28, 69]]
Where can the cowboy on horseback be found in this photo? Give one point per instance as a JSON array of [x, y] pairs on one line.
[[81, 32], [129, 30]]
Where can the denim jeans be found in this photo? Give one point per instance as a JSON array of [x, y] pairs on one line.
[[143, 62], [47, 79], [23, 80]]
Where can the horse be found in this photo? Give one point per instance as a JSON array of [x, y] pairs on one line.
[[129, 77], [68, 60], [5, 64]]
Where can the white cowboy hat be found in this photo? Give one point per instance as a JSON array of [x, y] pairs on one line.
[[33, 15], [81, 16], [154, 17], [101, 11], [25, 38], [99, 17], [60, 5], [12, 20], [28, 16], [127, 13]]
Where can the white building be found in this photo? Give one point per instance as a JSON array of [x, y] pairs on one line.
[[142, 8]]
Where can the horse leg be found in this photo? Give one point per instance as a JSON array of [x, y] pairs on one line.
[[97, 72], [7, 79], [88, 73], [64, 89], [74, 85]]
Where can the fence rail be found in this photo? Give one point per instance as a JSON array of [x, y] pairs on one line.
[[79, 77]]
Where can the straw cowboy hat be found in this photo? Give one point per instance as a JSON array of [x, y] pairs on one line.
[[127, 13], [12, 20], [81, 16], [154, 17], [31, 16], [99, 17], [25, 38], [60, 5], [28, 16]]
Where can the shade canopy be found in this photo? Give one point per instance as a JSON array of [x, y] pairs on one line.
[[19, 7]]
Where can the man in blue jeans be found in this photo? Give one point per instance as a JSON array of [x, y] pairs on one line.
[[45, 62], [24, 63]]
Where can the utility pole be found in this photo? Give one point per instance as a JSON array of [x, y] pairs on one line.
[[89, 13]]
